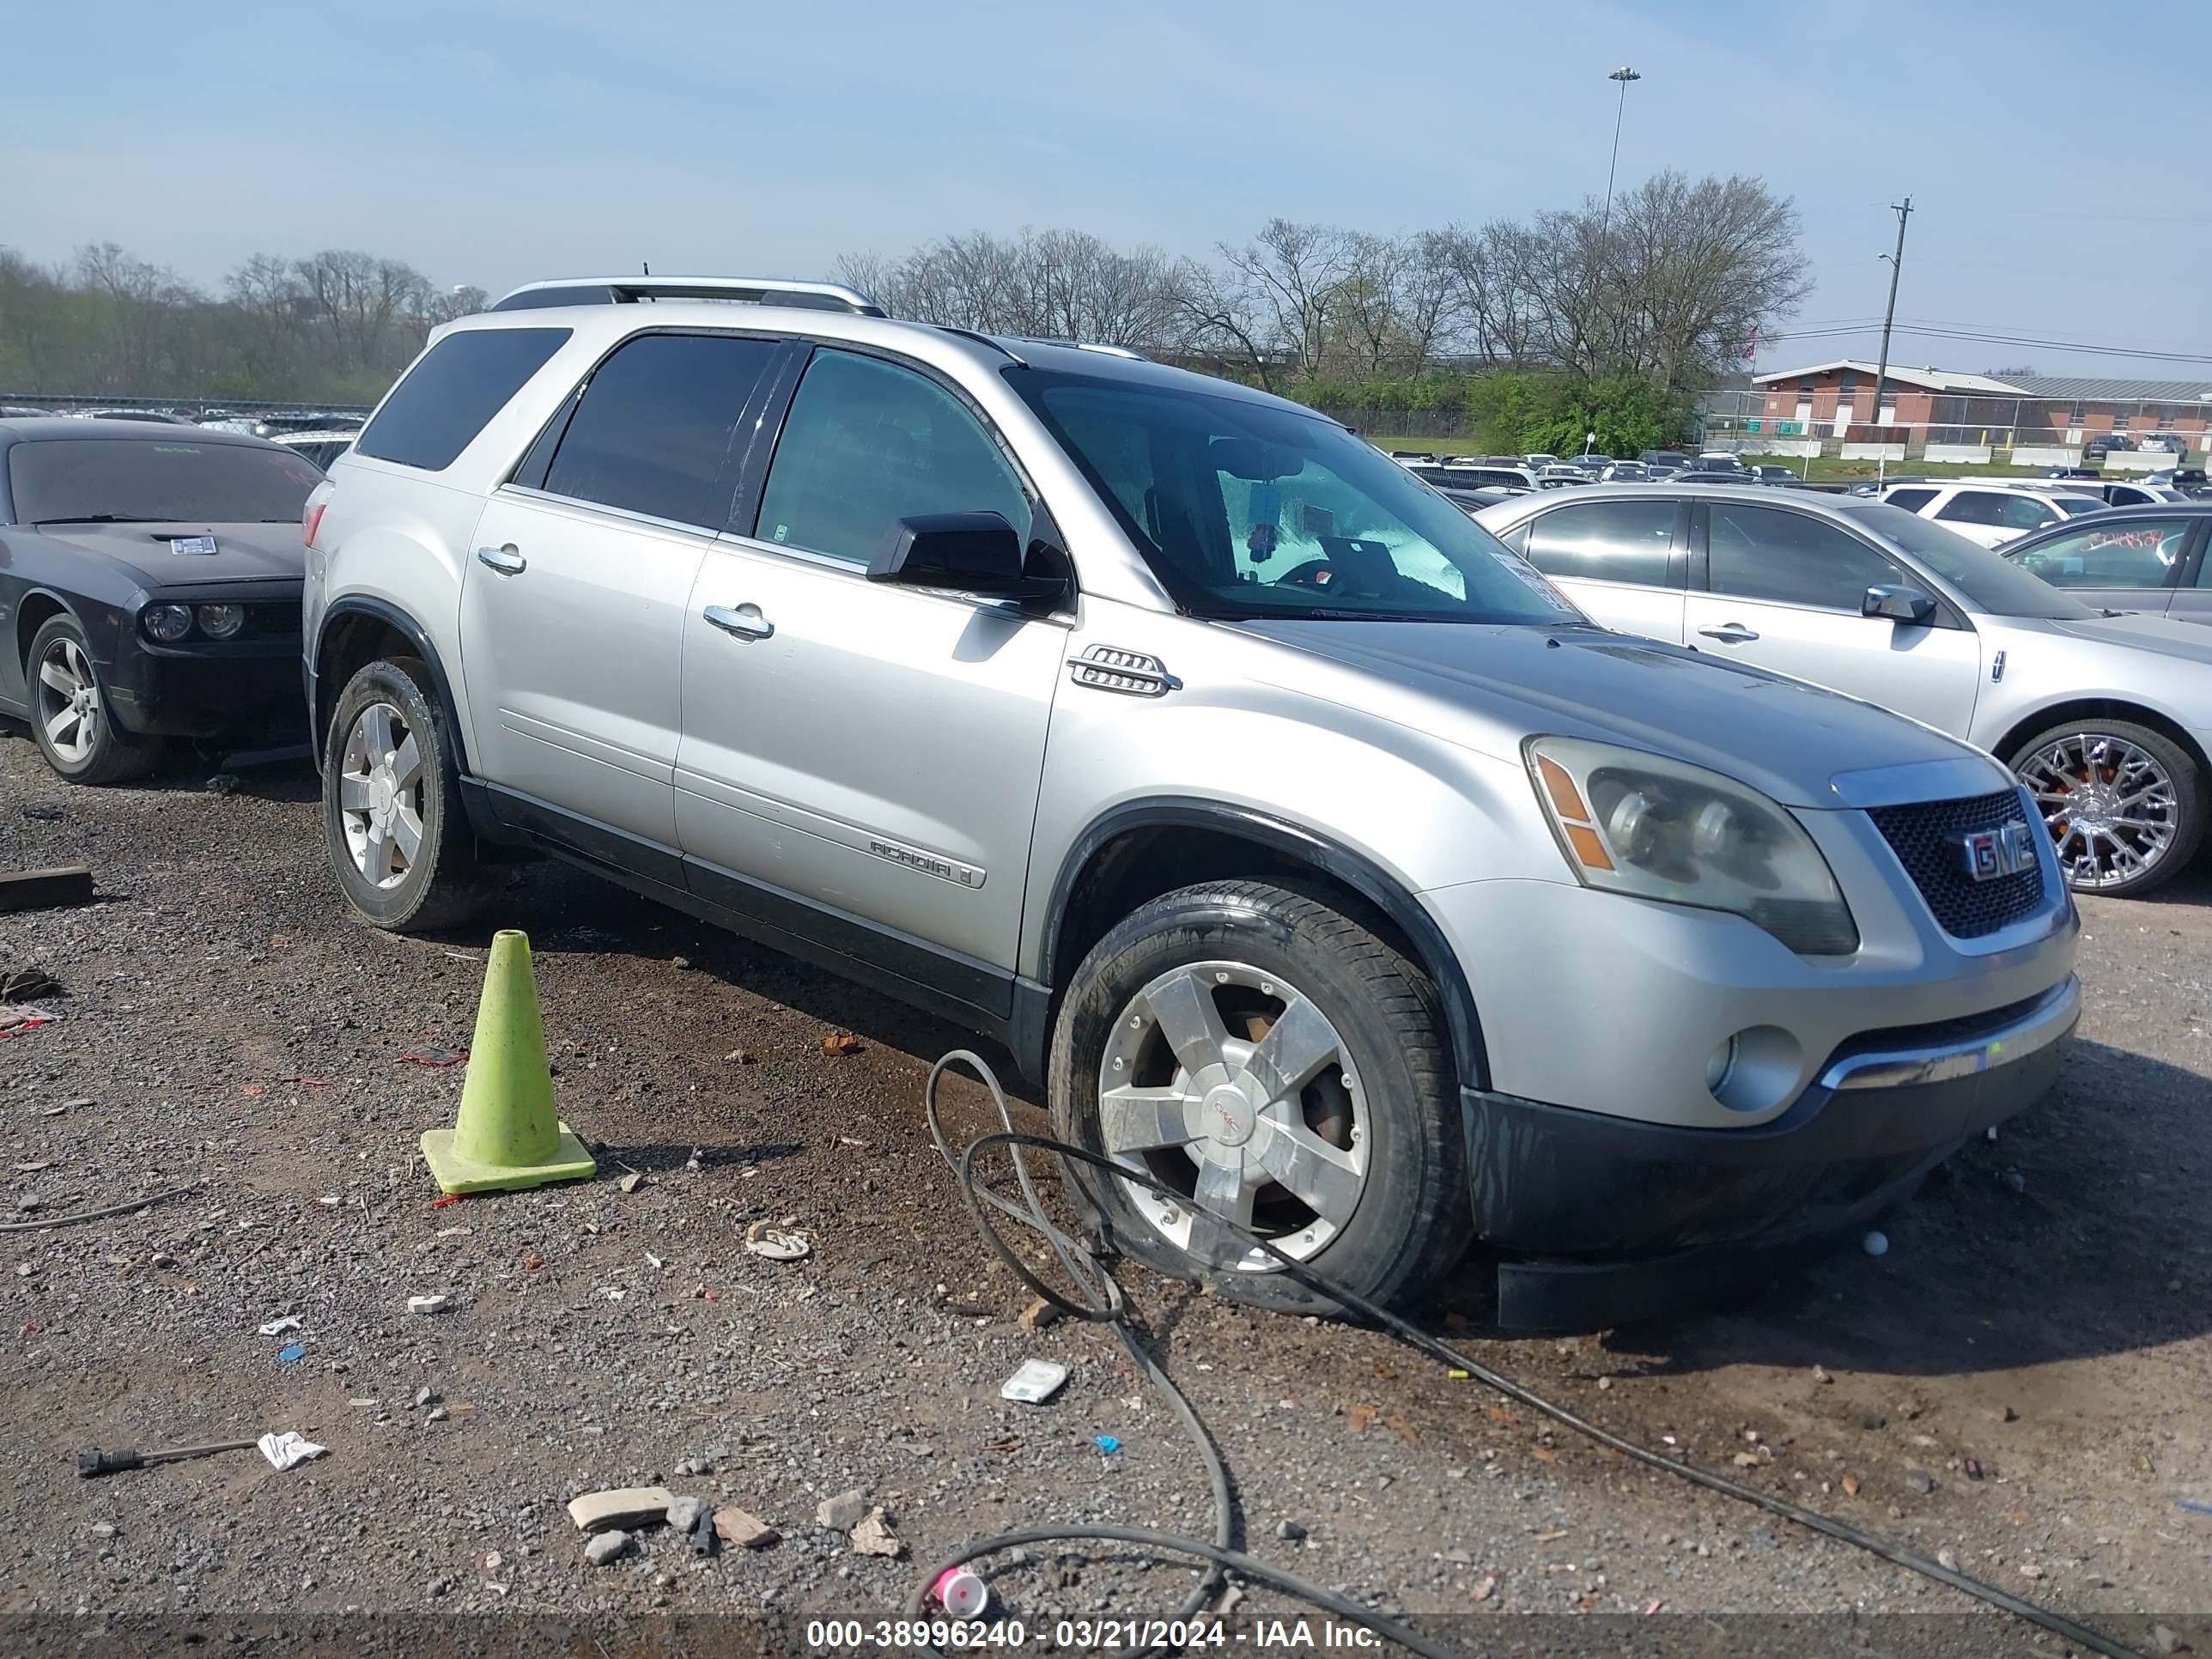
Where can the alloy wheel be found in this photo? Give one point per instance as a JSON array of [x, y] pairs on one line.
[[68, 700], [2113, 810], [1231, 1086], [380, 794]]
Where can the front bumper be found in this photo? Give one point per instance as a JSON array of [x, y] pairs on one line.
[[1629, 1220], [242, 688]]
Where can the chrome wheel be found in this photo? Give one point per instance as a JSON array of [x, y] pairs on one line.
[[2112, 808], [68, 701], [1231, 1087], [381, 785]]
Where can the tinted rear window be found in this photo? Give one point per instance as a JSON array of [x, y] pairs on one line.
[[656, 430], [460, 383], [89, 480]]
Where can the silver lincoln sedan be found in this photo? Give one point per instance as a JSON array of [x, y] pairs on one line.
[[2106, 717]]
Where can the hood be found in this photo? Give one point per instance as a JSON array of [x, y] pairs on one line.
[[1784, 738], [244, 552], [2181, 641]]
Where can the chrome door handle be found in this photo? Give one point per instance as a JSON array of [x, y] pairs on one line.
[[745, 621], [505, 560], [1729, 633]]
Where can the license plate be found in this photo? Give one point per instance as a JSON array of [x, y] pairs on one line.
[[2006, 851]]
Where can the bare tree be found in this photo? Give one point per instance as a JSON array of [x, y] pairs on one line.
[[1297, 272], [1221, 318]]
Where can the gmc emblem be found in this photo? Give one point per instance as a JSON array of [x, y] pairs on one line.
[[1990, 853]]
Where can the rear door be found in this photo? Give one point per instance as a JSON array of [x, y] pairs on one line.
[[574, 601], [2134, 564], [1622, 560], [1783, 589]]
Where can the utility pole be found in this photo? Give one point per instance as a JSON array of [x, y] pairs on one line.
[[1904, 211]]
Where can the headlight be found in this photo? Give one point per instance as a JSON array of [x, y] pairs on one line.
[[221, 622], [167, 622], [1641, 823]]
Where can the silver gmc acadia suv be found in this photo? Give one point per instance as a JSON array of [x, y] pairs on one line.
[[1318, 857]]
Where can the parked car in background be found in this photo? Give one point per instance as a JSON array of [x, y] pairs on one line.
[[153, 416], [2103, 444], [1468, 475], [1767, 474], [2089, 472], [2171, 443], [150, 580], [1536, 464], [2105, 719], [21, 412], [1717, 460], [1553, 476], [1661, 462], [1875, 486], [1624, 472], [1206, 759], [2140, 494], [1992, 511], [319, 445], [1472, 502], [2149, 559]]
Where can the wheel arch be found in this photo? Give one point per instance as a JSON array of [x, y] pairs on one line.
[[34, 612], [1140, 850], [2093, 709], [354, 632]]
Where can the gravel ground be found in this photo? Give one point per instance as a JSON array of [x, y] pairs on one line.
[[2045, 1310]]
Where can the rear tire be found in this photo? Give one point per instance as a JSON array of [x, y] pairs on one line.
[[399, 843], [2125, 804], [1321, 1054]]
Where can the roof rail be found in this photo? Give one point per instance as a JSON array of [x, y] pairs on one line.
[[990, 340], [629, 290], [1129, 352]]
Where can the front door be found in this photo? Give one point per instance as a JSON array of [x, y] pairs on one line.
[[573, 600], [1782, 590], [861, 761]]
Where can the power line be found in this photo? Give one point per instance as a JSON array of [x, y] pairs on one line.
[[2025, 342]]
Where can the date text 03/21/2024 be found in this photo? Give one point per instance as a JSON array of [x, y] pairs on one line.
[[1288, 1636]]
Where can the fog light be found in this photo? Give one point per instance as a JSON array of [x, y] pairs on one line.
[[221, 622], [167, 622], [1719, 1065]]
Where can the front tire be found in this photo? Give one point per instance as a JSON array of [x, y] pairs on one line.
[[2125, 804], [70, 715], [1280, 1066], [399, 844]]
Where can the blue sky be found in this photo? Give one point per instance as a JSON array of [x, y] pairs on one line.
[[2056, 168]]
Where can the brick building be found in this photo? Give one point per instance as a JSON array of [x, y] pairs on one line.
[[1932, 406]]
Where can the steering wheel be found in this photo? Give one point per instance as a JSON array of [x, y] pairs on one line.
[[1314, 572]]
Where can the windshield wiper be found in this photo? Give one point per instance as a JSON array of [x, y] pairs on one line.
[[103, 517]]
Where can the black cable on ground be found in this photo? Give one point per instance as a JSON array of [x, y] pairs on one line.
[[1108, 1309], [41, 1223], [976, 1196]]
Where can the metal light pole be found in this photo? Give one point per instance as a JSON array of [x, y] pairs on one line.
[[1624, 74]]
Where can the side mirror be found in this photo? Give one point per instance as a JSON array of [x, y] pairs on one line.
[[1908, 605], [967, 552]]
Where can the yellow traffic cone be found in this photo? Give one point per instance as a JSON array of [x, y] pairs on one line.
[[506, 1135]]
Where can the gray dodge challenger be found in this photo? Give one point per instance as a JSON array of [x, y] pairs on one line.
[[150, 590]]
